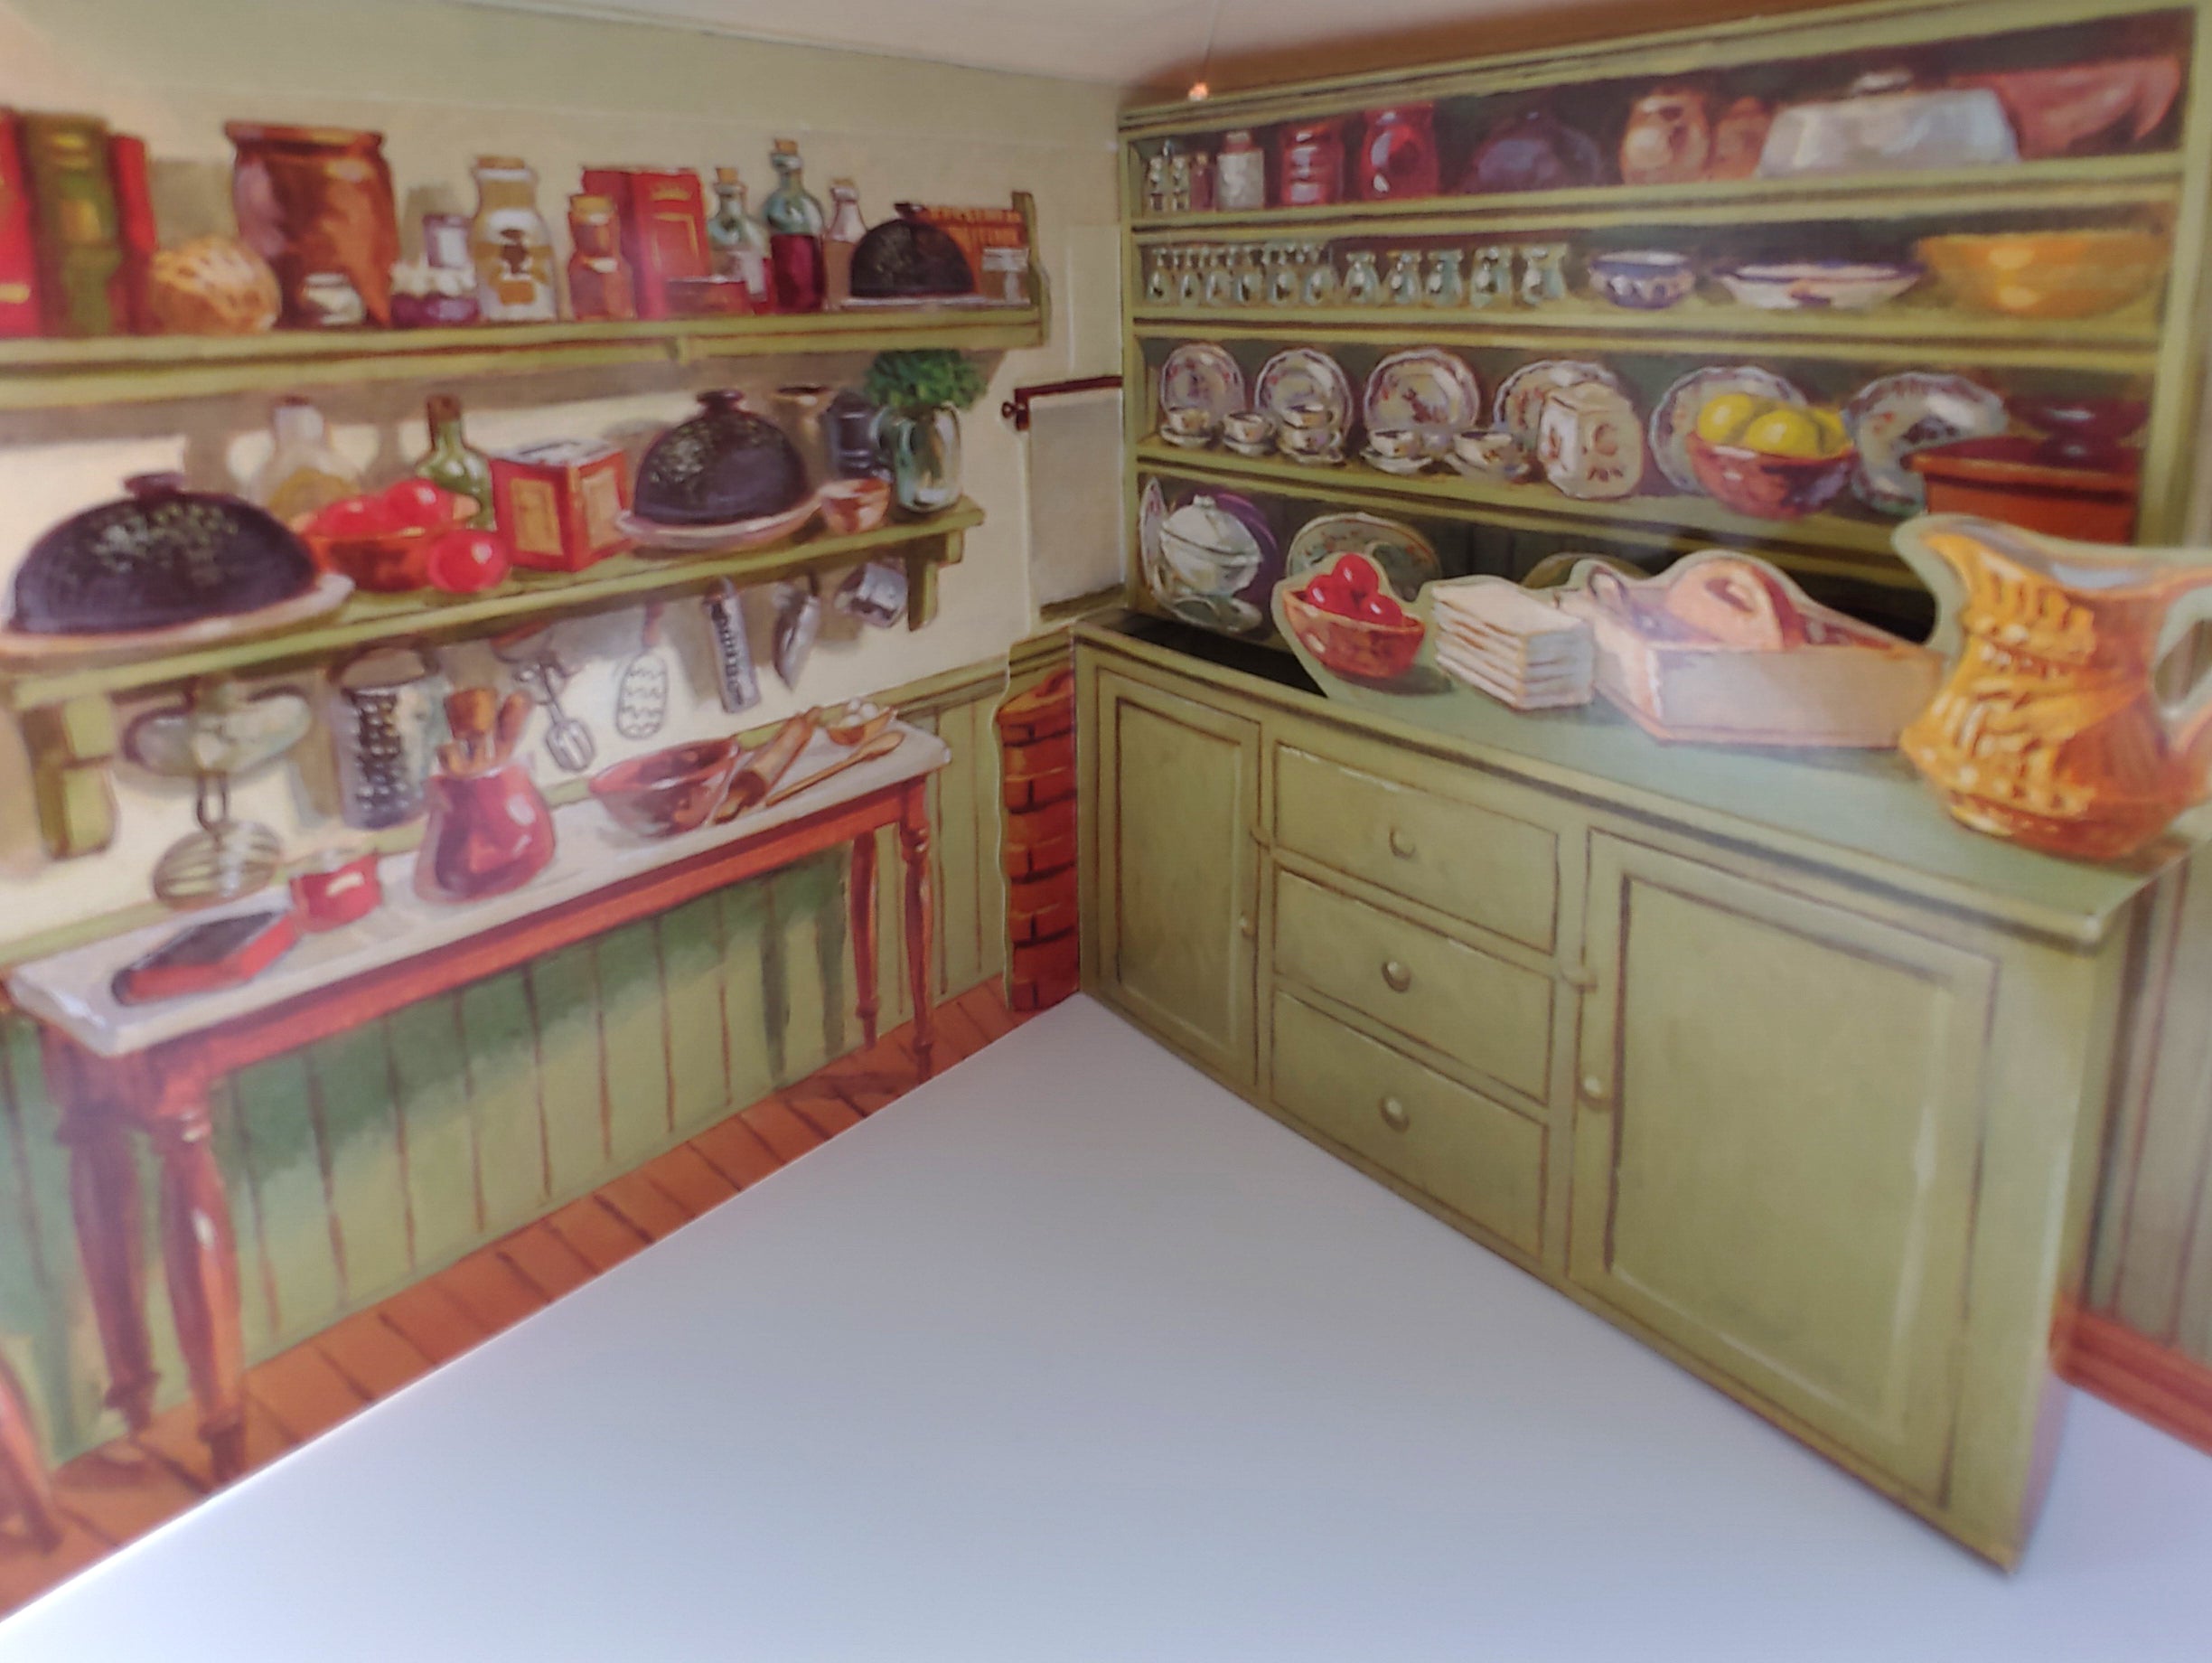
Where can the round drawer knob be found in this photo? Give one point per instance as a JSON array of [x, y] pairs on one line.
[[1244, 926], [1401, 845], [1397, 975], [1594, 1092], [1394, 1115]]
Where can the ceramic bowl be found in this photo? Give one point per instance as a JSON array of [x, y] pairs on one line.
[[1642, 279], [667, 793], [2048, 274], [384, 562], [855, 723], [850, 506], [1353, 648], [1808, 285], [1767, 487]]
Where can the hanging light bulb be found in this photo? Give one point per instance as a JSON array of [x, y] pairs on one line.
[[1197, 92]]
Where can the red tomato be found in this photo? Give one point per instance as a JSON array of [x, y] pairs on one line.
[[417, 503], [355, 516], [465, 561], [1357, 573], [1381, 609], [1328, 593]]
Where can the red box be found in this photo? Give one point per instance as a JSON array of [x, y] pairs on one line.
[[19, 282], [663, 219], [559, 504]]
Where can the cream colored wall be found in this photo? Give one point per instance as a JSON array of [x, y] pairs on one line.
[[445, 83]]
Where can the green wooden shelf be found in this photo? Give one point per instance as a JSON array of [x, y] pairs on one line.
[[1811, 543], [527, 597], [2122, 343], [146, 368], [2086, 182]]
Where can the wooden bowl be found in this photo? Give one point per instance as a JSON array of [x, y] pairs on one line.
[[386, 562], [1767, 487], [850, 506], [667, 793], [1353, 648], [849, 725], [2048, 274]]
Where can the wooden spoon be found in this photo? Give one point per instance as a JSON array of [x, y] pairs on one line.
[[882, 745]]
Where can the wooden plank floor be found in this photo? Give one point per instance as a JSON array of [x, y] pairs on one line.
[[125, 1489]]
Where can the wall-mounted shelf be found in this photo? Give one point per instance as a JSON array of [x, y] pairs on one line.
[[2124, 343], [68, 721], [146, 369]]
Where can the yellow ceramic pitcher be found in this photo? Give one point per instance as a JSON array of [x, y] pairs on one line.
[[2049, 730]]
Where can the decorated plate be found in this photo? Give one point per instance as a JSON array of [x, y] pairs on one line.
[[1152, 514], [1407, 557], [1675, 418], [1303, 375], [653, 537], [1889, 418], [1426, 389], [326, 594], [1201, 376], [1521, 395]]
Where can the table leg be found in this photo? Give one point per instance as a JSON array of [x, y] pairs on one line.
[[104, 1205], [921, 909], [861, 898], [199, 1255], [23, 1473]]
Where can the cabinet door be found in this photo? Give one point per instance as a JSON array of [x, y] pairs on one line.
[[1176, 884], [1775, 1151]]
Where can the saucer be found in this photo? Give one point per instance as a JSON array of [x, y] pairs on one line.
[[1258, 453], [1401, 465], [1187, 441]]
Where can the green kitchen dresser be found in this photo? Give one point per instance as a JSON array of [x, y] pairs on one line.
[[1766, 1062]]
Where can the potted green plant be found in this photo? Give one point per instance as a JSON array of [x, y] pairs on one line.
[[920, 392]]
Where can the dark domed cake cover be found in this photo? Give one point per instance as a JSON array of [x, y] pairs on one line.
[[160, 557], [723, 466], [908, 259]]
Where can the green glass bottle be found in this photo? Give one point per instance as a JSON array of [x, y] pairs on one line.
[[452, 463]]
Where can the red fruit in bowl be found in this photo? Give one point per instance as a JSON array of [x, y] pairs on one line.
[[418, 503], [1357, 573], [1379, 608], [461, 562], [1329, 592], [352, 517]]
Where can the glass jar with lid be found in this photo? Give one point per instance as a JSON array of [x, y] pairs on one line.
[[510, 245]]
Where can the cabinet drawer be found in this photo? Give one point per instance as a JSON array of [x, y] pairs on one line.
[[1439, 848], [1495, 1017], [1477, 1157]]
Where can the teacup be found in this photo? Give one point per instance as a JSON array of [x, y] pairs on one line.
[[1497, 455], [1189, 421], [1396, 443], [1308, 441], [1250, 427], [1307, 416]]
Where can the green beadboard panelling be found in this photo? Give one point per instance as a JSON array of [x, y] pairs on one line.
[[372, 1157], [633, 1034], [440, 1132], [352, 1075], [691, 946], [564, 988], [502, 1049]]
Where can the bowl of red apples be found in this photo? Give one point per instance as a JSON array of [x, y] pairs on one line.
[[411, 536], [1347, 617]]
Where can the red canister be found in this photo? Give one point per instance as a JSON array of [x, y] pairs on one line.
[[1398, 156], [337, 890], [1310, 164]]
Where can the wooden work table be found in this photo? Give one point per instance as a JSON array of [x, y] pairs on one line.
[[117, 1067]]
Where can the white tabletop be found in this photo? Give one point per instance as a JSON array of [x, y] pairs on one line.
[[71, 990], [1068, 1354]]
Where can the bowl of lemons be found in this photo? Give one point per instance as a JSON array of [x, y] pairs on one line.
[[1767, 459]]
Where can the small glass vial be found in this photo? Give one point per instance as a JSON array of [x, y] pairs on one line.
[[1178, 183], [1492, 284], [1239, 175], [1220, 281], [1444, 285], [1156, 183], [1189, 287], [843, 235], [1363, 283], [1543, 273], [1158, 281], [1252, 276], [1404, 286], [1201, 181], [1283, 277], [1321, 285]]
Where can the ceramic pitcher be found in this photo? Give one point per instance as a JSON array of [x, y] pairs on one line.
[[2050, 731]]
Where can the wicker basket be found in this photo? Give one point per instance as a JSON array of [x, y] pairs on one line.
[[1353, 648]]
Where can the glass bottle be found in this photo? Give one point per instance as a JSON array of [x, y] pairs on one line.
[[1543, 273], [1444, 285], [1320, 276], [452, 463], [1156, 275], [1363, 283], [1404, 286], [1187, 282], [1492, 284], [1251, 277], [303, 471], [1220, 280], [600, 283], [512, 245], [1156, 183], [846, 229], [1283, 281], [739, 244], [795, 228]]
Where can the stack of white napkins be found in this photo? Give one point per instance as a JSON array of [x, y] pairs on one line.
[[1514, 644]]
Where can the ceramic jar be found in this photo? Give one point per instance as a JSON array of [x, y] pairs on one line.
[[510, 245], [1398, 155], [316, 200], [1310, 164], [1739, 135], [1239, 175], [1589, 442], [1668, 139], [486, 834]]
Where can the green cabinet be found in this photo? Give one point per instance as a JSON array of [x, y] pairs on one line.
[[1171, 875], [1780, 1105]]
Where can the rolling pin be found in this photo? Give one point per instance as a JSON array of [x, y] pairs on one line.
[[757, 774]]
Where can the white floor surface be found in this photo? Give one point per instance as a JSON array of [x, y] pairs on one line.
[[1068, 1356]]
